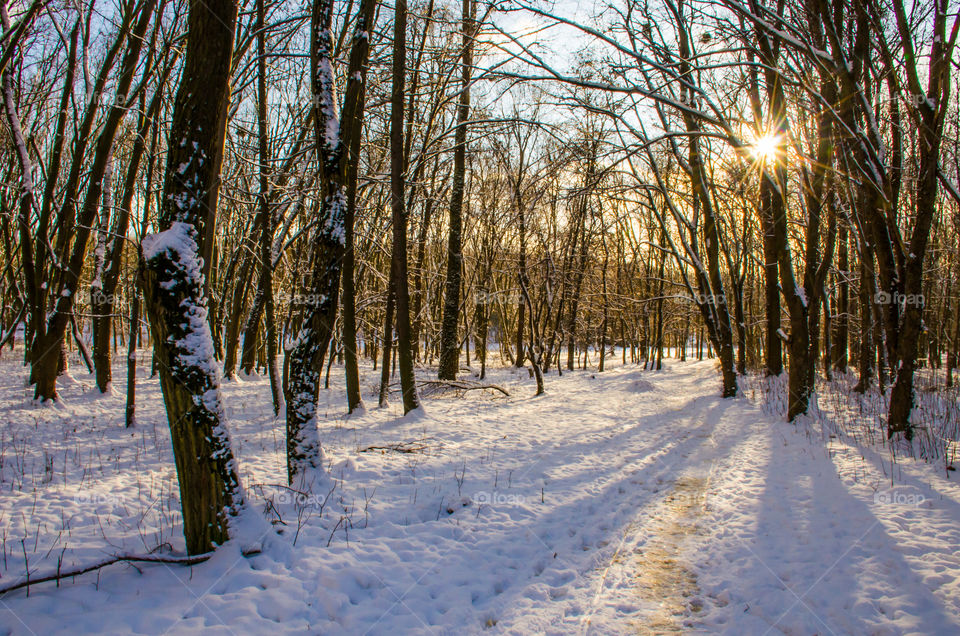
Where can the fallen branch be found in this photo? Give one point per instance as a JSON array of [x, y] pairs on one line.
[[417, 446], [461, 385], [127, 558]]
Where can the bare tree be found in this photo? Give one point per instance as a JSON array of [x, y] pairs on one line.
[[174, 285]]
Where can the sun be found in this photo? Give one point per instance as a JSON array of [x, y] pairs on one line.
[[766, 147]]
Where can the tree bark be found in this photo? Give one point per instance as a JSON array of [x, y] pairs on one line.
[[333, 139], [397, 186], [267, 216], [174, 288], [841, 322], [449, 349]]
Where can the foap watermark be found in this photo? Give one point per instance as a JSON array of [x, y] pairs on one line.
[[498, 498], [300, 499], [912, 100], [98, 297], [98, 498], [493, 297], [899, 497], [710, 299], [886, 298], [301, 300]]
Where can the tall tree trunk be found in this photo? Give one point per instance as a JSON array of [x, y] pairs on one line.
[[267, 216], [135, 309], [397, 186], [659, 336], [104, 301], [47, 352], [26, 202], [101, 307], [348, 284], [173, 282], [866, 354], [773, 352], [773, 355], [932, 112], [333, 139], [716, 312], [581, 266], [134, 341], [449, 351], [521, 274], [388, 321], [481, 314], [238, 300], [841, 322], [418, 278]]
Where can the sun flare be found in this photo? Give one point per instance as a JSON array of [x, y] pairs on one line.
[[766, 147]]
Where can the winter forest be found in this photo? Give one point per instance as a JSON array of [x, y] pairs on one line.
[[479, 316]]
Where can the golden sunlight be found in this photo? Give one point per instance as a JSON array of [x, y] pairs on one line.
[[766, 147]]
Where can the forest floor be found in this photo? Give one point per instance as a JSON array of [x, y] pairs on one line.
[[627, 501]]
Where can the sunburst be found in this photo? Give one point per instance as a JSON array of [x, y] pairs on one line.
[[766, 147]]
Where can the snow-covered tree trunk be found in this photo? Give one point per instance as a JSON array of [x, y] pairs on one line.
[[173, 282], [333, 137]]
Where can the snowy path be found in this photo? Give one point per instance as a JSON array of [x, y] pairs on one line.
[[622, 502]]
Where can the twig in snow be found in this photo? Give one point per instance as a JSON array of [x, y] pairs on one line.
[[122, 558]]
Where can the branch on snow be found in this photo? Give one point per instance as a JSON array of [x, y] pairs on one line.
[[122, 558]]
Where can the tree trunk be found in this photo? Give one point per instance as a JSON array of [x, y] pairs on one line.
[[397, 185], [449, 351], [101, 305], [388, 319], [333, 139], [131, 408], [267, 216], [933, 111], [348, 284], [866, 354], [841, 322], [173, 282]]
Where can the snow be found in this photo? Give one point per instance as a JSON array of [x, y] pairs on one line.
[[178, 242], [618, 502], [326, 97]]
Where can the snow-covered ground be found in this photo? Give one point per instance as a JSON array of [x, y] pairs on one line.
[[623, 502]]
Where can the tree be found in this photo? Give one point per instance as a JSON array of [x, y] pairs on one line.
[[334, 137], [174, 284], [931, 108], [401, 289], [266, 216], [449, 343], [74, 225]]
